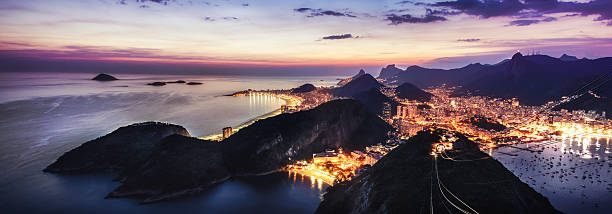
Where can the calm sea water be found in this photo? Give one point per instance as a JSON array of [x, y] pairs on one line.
[[43, 115], [574, 173]]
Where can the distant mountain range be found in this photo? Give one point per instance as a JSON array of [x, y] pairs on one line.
[[533, 79]]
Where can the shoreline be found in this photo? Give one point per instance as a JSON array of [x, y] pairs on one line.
[[289, 101]]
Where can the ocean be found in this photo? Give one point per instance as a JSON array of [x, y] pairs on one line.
[[44, 115], [573, 172]]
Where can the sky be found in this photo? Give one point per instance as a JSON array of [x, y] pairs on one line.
[[302, 34]]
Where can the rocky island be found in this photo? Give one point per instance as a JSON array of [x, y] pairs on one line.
[[157, 83], [104, 77], [158, 161]]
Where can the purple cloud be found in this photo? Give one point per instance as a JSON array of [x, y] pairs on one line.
[[343, 36], [523, 22], [526, 22], [468, 40], [312, 12], [529, 9], [407, 18]]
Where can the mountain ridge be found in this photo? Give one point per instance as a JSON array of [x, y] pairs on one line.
[[533, 79]]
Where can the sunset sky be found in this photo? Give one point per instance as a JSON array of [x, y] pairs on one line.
[[304, 33]]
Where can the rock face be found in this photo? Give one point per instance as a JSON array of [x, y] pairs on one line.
[[160, 161], [104, 77], [389, 72], [119, 150], [347, 80], [304, 88], [411, 92], [410, 180]]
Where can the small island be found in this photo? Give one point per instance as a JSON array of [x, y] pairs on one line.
[[178, 81], [162, 83], [104, 77], [157, 83]]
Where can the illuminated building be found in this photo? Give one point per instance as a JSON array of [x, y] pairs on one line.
[[227, 131], [399, 112], [386, 112], [327, 156]]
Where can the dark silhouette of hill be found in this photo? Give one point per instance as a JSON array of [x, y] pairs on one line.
[[365, 89], [537, 79], [304, 88], [389, 72], [360, 84], [347, 80], [568, 58], [426, 77], [411, 92], [157, 161], [598, 100], [533, 79], [410, 180], [374, 101], [104, 77]]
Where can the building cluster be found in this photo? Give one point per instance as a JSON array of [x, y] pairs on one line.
[[333, 166], [524, 123]]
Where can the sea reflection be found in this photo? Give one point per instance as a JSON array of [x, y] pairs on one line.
[[258, 102], [573, 172], [45, 115], [314, 183]]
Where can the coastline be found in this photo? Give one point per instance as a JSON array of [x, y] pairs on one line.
[[290, 101]]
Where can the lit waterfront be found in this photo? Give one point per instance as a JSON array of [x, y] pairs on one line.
[[259, 99]]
